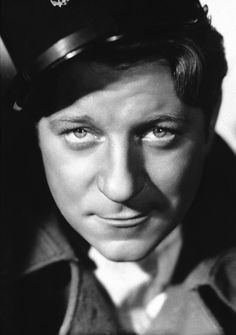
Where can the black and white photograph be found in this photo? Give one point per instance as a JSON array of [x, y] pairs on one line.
[[118, 167]]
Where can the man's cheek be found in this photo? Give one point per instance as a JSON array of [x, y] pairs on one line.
[[178, 176], [187, 179]]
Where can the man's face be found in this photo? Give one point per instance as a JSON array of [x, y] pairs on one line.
[[123, 162]]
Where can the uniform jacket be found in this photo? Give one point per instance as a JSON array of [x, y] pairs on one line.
[[55, 292]]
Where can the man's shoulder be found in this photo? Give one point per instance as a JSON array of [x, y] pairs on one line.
[[204, 303], [219, 273]]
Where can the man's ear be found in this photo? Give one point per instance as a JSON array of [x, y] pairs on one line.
[[212, 122]]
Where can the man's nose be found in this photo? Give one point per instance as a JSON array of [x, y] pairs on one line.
[[122, 175]]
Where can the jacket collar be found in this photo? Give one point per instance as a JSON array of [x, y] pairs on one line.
[[51, 245], [219, 273]]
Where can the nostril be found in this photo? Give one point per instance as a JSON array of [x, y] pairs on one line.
[[122, 173], [120, 189]]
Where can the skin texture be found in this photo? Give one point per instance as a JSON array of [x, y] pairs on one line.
[[123, 161]]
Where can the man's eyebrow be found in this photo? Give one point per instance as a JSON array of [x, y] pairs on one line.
[[178, 117], [57, 121], [154, 118]]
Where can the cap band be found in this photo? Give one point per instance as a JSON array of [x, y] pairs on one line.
[[69, 47]]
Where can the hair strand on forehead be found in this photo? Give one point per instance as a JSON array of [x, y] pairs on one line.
[[188, 71]]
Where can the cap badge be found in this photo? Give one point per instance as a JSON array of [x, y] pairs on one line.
[[59, 3]]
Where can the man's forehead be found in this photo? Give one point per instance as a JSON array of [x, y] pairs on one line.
[[80, 79], [93, 75], [148, 92]]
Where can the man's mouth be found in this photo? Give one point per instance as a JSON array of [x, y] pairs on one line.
[[125, 221]]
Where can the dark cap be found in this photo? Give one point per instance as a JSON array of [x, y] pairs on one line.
[[39, 34]]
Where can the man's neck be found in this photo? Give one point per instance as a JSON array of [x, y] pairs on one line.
[[123, 279]]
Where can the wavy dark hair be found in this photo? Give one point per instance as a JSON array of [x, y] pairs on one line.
[[196, 59]]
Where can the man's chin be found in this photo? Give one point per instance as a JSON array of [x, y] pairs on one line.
[[125, 251]]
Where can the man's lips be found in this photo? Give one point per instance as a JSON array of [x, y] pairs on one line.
[[123, 221]]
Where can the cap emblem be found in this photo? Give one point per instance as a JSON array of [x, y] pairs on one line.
[[59, 3]]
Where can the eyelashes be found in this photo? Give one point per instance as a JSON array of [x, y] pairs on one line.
[[79, 134], [81, 137], [160, 133], [85, 136]]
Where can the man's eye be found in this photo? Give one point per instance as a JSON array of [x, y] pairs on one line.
[[160, 134], [80, 135]]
